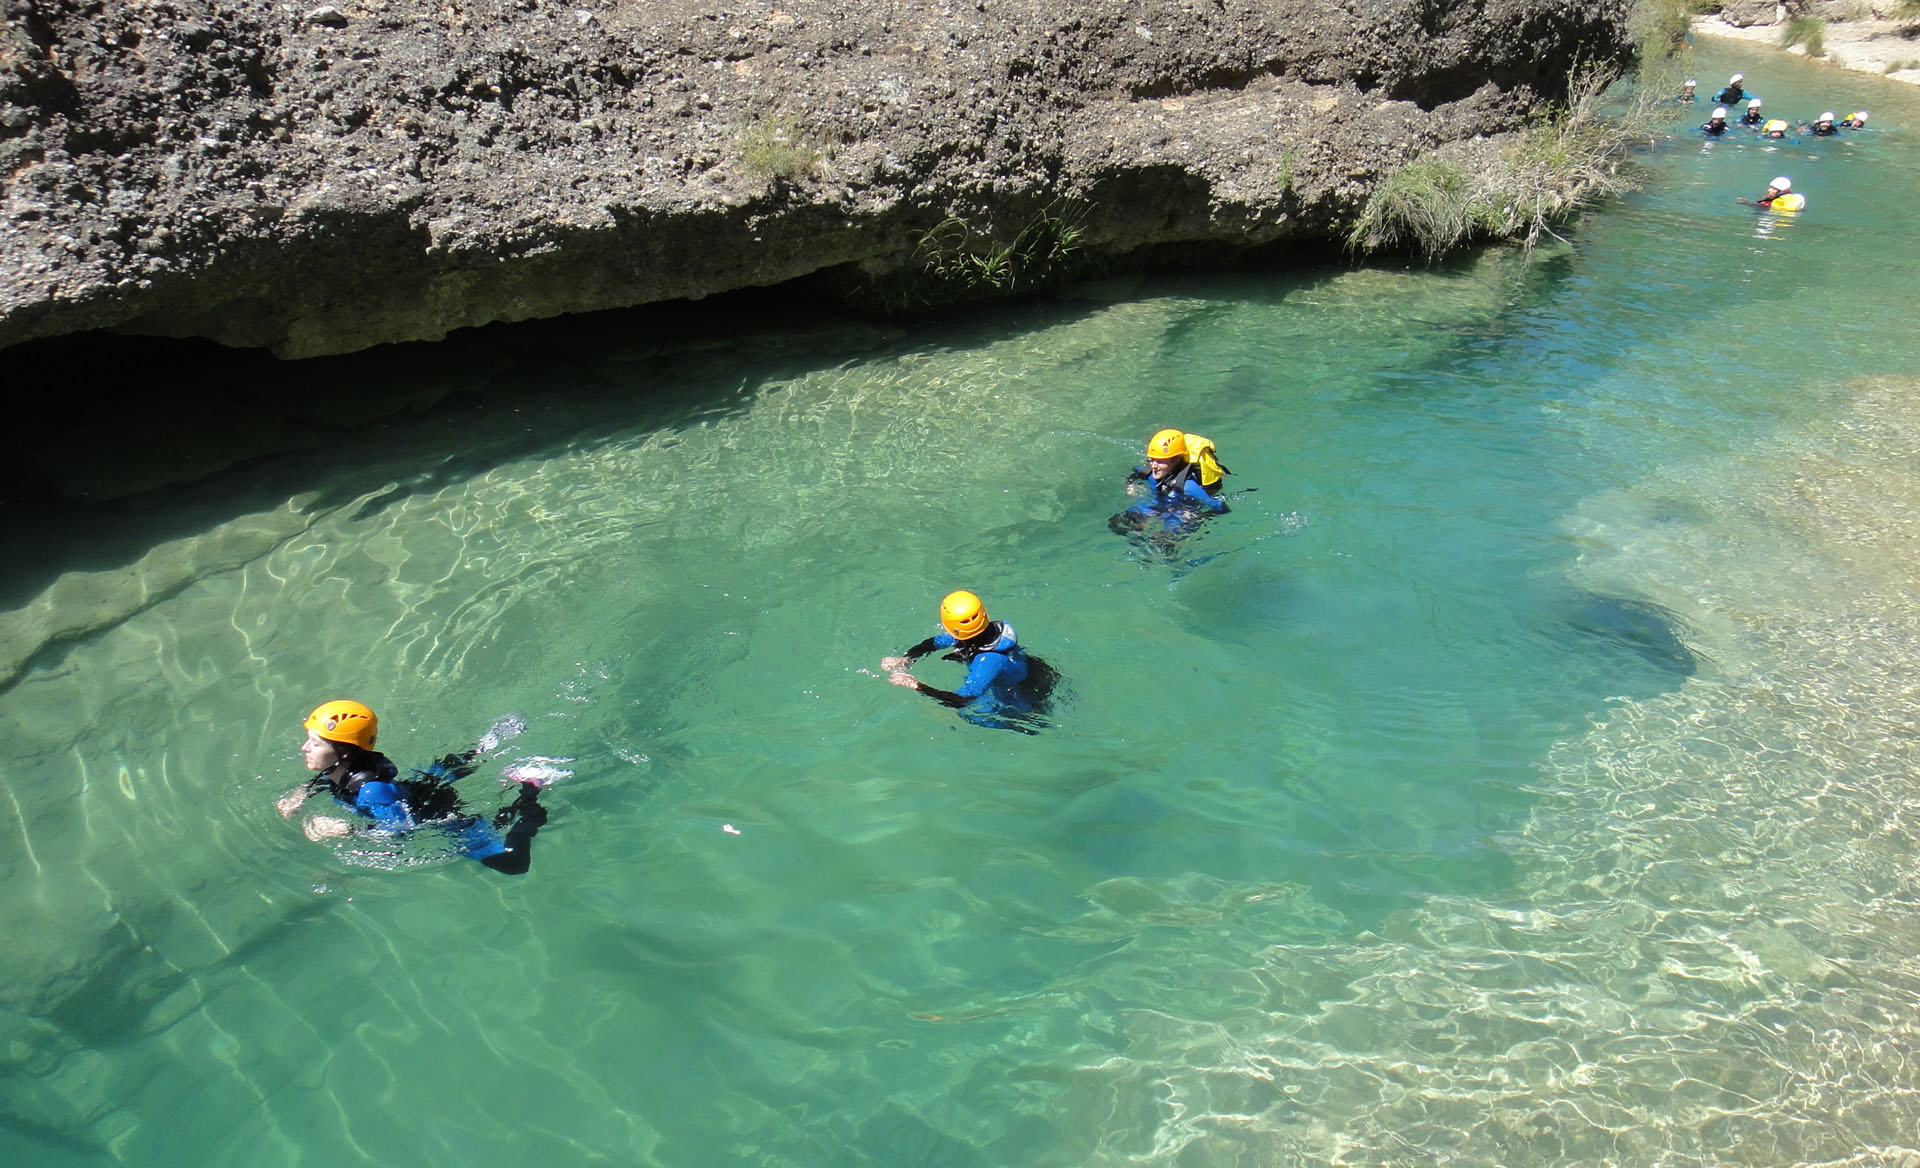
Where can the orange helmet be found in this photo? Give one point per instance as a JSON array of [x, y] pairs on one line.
[[1167, 444], [345, 721], [962, 614]]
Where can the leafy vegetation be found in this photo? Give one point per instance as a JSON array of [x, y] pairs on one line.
[[1427, 203], [1289, 158], [1810, 31], [773, 150], [1569, 158], [1660, 27], [953, 253]]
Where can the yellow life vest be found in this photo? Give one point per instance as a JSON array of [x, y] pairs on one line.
[[1792, 201], [1200, 452]]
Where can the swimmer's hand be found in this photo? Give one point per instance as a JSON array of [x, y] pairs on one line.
[[326, 827], [906, 679], [895, 664], [290, 803]]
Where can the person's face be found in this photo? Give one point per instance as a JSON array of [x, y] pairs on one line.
[[318, 753], [1160, 468]]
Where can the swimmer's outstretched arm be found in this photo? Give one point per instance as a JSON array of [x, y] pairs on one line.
[[944, 697], [899, 665], [290, 803]]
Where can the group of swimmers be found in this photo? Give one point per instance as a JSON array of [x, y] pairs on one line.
[[1780, 195], [1180, 486], [1006, 688]]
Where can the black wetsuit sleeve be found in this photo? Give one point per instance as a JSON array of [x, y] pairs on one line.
[[945, 697], [451, 767], [922, 649], [1137, 475]]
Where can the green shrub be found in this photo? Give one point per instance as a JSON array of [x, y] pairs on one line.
[[1427, 203], [1810, 31], [1542, 175], [1660, 27], [1289, 157], [952, 253], [774, 151]]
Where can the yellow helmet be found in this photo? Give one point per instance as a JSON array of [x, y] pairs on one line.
[[962, 614], [345, 721], [1167, 444]]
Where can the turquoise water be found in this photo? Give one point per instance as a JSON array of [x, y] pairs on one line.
[[1522, 773]]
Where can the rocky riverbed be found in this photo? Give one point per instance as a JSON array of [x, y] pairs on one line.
[[320, 178]]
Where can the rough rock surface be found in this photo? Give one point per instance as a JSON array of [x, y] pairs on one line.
[[318, 178]]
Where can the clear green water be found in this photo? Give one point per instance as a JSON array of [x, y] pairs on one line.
[[1528, 777]]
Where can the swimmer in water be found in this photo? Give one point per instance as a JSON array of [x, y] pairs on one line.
[[1006, 688], [1780, 196], [367, 786], [1183, 481]]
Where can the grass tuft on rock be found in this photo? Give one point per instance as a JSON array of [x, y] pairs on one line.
[[1810, 31], [1536, 178], [773, 150], [1660, 27]]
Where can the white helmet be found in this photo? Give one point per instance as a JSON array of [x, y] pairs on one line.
[[1754, 104], [1827, 117], [1719, 111], [1783, 183], [1736, 79]]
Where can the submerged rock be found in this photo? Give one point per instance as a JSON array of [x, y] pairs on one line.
[[1641, 626], [318, 180]]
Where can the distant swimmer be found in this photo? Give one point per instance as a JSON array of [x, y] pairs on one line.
[[1687, 88], [1183, 480], [1733, 92], [367, 786], [1716, 123], [1855, 121], [1752, 116], [1775, 128], [1780, 196], [1823, 126], [1006, 688]]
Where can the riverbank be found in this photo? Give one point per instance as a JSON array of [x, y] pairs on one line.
[[322, 180], [1885, 48]]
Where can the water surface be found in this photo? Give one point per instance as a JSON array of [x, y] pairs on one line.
[[1522, 773]]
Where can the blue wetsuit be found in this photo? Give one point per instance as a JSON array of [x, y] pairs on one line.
[[996, 692], [376, 791], [1179, 502]]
